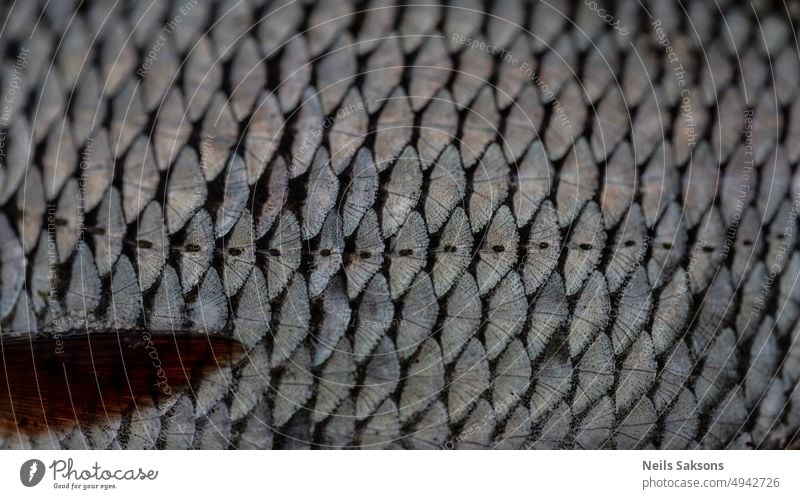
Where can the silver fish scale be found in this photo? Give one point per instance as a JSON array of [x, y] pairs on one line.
[[512, 225]]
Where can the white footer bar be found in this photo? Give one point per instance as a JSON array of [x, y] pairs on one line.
[[397, 474]]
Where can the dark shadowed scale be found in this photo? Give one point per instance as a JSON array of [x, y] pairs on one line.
[[508, 224]]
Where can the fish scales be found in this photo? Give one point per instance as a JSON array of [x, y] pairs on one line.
[[474, 224]]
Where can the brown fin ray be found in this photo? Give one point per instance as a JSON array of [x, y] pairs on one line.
[[57, 381]]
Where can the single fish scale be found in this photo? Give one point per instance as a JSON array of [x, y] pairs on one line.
[[562, 244]]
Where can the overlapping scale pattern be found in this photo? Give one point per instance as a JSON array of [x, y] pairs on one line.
[[468, 225]]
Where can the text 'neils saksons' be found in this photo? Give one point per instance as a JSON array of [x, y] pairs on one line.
[[664, 465]]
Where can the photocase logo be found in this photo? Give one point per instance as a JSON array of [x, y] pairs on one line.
[[31, 472]]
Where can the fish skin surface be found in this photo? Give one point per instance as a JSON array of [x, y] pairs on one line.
[[467, 225]]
